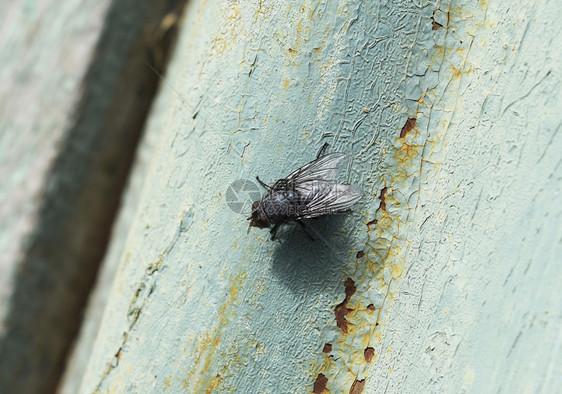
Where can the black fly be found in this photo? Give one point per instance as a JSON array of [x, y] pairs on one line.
[[308, 192]]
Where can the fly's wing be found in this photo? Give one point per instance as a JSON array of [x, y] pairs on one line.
[[320, 170], [329, 198], [315, 183]]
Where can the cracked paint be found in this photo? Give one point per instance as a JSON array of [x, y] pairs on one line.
[[387, 297], [143, 290]]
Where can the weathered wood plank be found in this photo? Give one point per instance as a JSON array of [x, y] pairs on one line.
[[75, 90], [445, 278]]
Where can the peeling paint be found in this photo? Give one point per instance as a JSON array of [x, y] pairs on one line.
[[357, 387], [337, 314], [369, 353], [320, 385], [409, 126]]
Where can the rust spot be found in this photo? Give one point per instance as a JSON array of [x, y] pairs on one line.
[[435, 25], [118, 354], [320, 384], [327, 348], [372, 223], [366, 110], [360, 254], [341, 310], [357, 387], [371, 307], [368, 354], [408, 126], [291, 50], [382, 198]]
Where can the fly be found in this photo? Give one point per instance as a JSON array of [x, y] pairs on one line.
[[309, 192]]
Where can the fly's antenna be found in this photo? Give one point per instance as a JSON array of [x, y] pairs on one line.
[[265, 185]]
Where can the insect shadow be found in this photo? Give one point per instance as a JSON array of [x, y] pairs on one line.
[[304, 266]]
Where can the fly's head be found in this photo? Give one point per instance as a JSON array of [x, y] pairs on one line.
[[258, 218]]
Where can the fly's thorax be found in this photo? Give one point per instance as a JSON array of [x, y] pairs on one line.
[[280, 206]]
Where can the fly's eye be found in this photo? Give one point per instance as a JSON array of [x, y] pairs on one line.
[[255, 205]]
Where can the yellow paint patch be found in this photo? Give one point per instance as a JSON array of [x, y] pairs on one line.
[[167, 382], [208, 343], [397, 271], [232, 30], [214, 383]]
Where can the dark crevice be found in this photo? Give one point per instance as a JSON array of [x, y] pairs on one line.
[[382, 197], [82, 194]]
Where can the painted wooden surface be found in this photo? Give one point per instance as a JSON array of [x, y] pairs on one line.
[[73, 99], [445, 278]]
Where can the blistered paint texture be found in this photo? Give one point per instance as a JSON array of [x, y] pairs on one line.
[[449, 118]]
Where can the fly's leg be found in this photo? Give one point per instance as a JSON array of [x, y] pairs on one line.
[[321, 151], [305, 230], [265, 185], [273, 231]]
